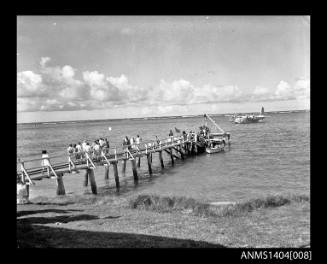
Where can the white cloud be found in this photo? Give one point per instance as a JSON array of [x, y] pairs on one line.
[[58, 88], [29, 84], [301, 89], [44, 60], [213, 93], [259, 90], [284, 90], [176, 92], [27, 104], [127, 91], [100, 88]]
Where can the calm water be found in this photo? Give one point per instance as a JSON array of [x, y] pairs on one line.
[[264, 158]]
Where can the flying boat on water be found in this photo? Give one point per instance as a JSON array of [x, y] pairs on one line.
[[247, 119]]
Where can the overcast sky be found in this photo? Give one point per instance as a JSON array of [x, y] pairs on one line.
[[97, 67]]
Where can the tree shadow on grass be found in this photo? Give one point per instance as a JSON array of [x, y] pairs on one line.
[[59, 211], [55, 219], [54, 237]]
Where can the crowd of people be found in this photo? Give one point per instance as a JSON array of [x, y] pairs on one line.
[[131, 143], [94, 149]]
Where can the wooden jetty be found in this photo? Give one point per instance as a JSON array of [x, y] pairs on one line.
[[175, 147]]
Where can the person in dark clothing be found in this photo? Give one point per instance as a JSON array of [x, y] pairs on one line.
[[126, 143], [184, 135], [158, 140]]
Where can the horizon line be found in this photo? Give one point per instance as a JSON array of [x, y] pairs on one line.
[[103, 119]]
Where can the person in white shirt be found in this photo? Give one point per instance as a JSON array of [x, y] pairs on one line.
[[83, 145], [131, 142], [87, 148], [138, 140], [79, 147], [96, 147], [70, 149], [45, 162]]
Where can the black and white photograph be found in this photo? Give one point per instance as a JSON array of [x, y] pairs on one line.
[[163, 131]]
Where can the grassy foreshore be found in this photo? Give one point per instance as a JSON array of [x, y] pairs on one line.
[[89, 221]]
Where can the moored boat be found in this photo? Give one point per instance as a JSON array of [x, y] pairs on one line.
[[216, 141], [215, 146]]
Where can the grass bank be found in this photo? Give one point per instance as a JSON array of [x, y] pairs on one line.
[[140, 221], [169, 204]]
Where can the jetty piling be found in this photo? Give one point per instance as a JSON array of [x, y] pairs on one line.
[[134, 170], [92, 180], [170, 152], [161, 160], [86, 176], [139, 162], [124, 166], [114, 165], [149, 163], [106, 172], [60, 185]]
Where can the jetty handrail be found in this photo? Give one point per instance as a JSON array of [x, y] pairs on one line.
[[154, 145], [100, 159], [21, 159]]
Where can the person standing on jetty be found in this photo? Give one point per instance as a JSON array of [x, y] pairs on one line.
[[106, 145], [45, 162], [171, 135], [158, 141], [70, 149], [96, 149], [84, 145], [196, 136], [87, 148], [125, 143], [131, 142], [79, 150], [75, 152], [138, 140], [101, 142], [184, 135]]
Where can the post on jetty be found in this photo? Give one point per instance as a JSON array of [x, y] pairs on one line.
[[23, 186], [171, 156], [92, 180], [86, 177], [60, 185], [123, 170], [106, 172], [181, 151], [134, 170], [89, 177], [114, 165], [148, 157], [161, 160], [149, 163]]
